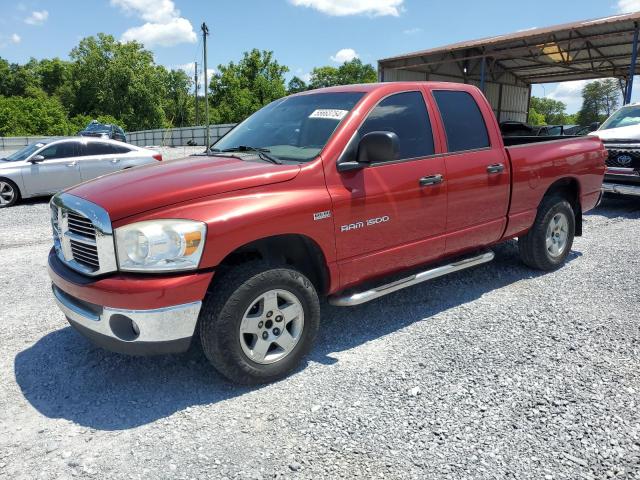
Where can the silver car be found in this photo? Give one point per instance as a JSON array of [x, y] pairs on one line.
[[47, 167]]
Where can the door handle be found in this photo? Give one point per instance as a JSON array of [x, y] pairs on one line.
[[431, 180], [495, 168], [72, 164], [115, 160]]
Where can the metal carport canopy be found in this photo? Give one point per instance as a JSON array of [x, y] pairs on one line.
[[600, 48]]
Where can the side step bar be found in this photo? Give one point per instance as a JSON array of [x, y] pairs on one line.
[[352, 299]]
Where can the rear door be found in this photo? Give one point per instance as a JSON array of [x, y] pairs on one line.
[[98, 159], [57, 171], [477, 170], [384, 218]]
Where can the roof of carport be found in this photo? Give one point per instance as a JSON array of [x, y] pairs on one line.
[[574, 51]]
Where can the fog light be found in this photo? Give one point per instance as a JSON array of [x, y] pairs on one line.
[[123, 327]]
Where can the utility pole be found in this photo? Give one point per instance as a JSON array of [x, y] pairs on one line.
[[205, 34], [195, 79]]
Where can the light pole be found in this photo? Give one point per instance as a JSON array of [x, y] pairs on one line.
[[205, 34]]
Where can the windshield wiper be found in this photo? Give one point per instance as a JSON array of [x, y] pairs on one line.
[[263, 153]]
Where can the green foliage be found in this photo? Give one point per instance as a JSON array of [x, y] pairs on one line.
[[238, 90], [118, 79], [296, 85], [535, 118], [120, 83], [33, 116], [348, 73], [178, 104], [599, 100], [553, 111]]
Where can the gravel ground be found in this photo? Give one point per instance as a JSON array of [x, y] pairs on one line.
[[496, 372]]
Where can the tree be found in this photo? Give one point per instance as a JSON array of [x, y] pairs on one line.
[[117, 79], [348, 73], [238, 90], [535, 118], [599, 100], [296, 85], [41, 115], [553, 112], [54, 75], [324, 77], [178, 105]]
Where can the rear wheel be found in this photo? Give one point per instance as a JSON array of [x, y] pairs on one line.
[[548, 243], [9, 193], [259, 322]]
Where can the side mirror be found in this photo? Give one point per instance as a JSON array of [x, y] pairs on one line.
[[374, 147], [594, 126], [378, 147], [36, 159]]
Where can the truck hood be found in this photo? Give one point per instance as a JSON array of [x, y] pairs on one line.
[[631, 132], [134, 191]]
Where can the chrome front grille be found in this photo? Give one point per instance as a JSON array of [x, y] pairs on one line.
[[82, 234], [80, 225], [620, 156]]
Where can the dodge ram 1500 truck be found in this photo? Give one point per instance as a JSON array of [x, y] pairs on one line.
[[348, 192]]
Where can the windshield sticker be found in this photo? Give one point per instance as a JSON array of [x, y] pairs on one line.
[[329, 113]]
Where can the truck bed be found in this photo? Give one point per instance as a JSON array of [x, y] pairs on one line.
[[537, 162], [510, 141]]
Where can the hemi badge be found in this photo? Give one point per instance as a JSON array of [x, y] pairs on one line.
[[322, 215]]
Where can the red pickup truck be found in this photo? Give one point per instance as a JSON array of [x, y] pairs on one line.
[[346, 192]]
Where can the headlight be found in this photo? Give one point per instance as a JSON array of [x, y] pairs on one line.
[[160, 245]]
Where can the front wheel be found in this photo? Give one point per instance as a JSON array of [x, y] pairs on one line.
[[9, 193], [259, 322], [548, 243]]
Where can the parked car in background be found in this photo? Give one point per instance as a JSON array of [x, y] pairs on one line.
[[103, 130], [47, 167], [321, 193], [562, 130], [620, 134]]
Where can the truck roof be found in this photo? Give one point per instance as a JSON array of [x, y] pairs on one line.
[[370, 87]]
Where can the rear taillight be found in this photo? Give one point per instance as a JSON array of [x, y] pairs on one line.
[[158, 157]]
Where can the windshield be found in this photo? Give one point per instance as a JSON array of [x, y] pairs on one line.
[[292, 128], [624, 117], [97, 127], [24, 153]]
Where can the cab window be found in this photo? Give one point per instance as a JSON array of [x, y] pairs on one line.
[[462, 119], [404, 114]]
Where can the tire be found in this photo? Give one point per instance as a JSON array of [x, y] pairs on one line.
[[548, 243], [244, 297], [9, 193]]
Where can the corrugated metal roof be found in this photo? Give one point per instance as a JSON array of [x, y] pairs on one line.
[[580, 50]]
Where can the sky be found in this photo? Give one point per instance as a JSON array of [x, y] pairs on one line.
[[303, 34]]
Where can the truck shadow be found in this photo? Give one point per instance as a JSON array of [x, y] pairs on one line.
[[64, 376], [618, 206]]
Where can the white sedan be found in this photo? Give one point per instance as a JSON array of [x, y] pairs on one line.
[[47, 167]]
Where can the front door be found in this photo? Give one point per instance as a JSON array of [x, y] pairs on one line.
[[477, 171], [57, 171], [391, 215]]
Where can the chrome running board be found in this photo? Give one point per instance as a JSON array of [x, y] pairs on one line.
[[352, 299]]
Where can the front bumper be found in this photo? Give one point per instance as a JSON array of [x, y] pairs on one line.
[[624, 181], [133, 331]]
